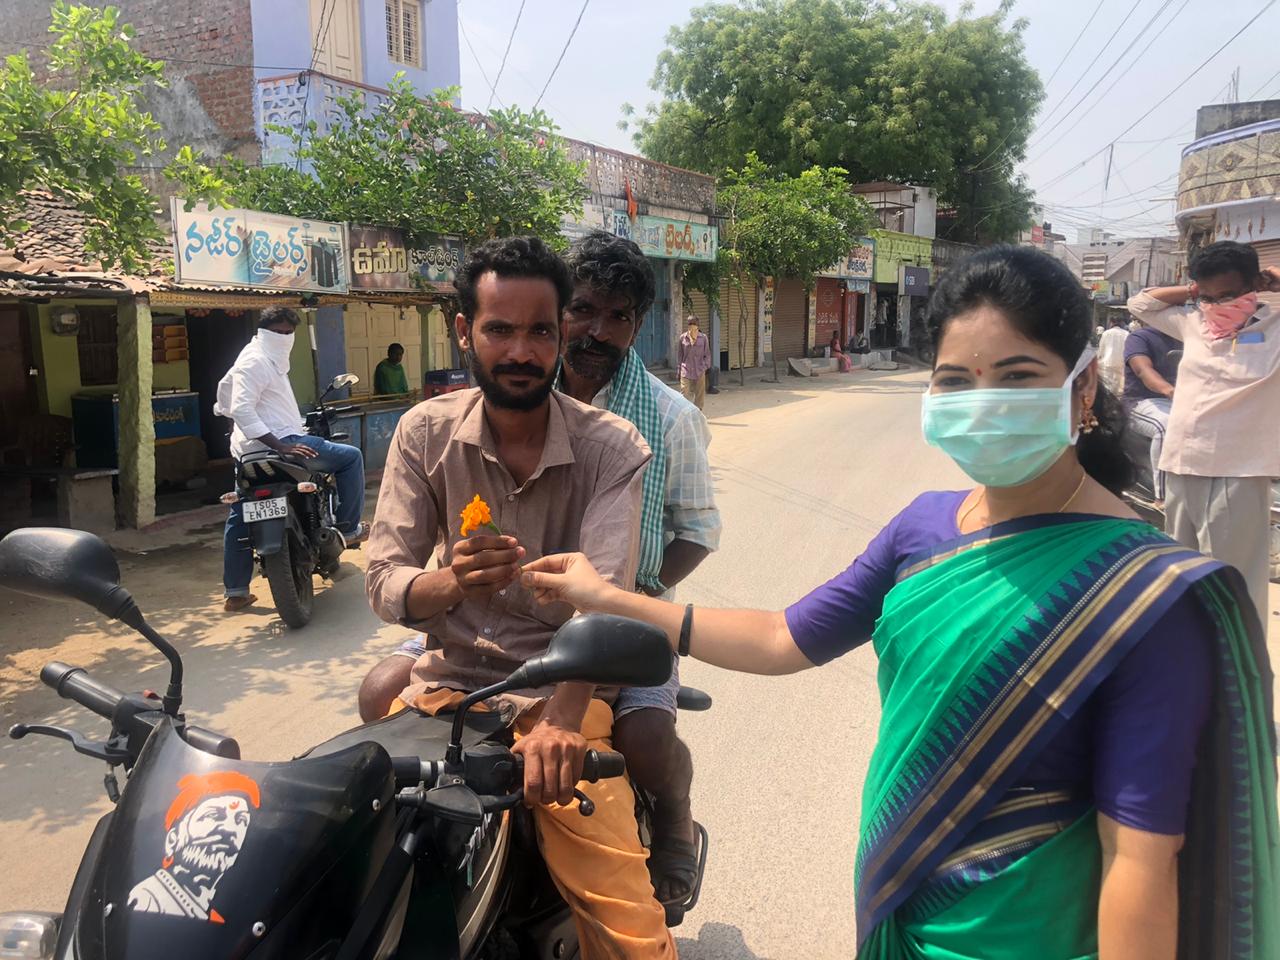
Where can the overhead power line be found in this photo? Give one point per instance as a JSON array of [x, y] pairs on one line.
[[1266, 83], [1123, 73], [493, 91], [563, 51], [980, 167], [493, 87], [1098, 56], [1083, 29], [1163, 100]]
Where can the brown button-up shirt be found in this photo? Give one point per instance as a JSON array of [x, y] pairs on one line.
[[584, 495]]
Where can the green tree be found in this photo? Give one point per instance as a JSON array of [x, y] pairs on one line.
[[420, 165], [775, 225], [888, 92], [75, 133]]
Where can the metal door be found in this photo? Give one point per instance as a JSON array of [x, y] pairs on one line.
[[654, 339]]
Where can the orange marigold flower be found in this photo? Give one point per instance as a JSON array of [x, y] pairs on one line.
[[475, 515]]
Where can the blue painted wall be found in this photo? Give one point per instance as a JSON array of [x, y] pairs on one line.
[[282, 42]]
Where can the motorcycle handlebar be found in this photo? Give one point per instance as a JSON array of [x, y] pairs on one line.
[[73, 683], [600, 764], [215, 743]]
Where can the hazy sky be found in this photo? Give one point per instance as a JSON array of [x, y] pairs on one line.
[[612, 57]]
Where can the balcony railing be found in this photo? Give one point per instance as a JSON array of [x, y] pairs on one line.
[[296, 99]]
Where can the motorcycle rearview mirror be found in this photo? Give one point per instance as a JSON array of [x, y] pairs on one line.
[[602, 649], [59, 564], [596, 648], [344, 380]]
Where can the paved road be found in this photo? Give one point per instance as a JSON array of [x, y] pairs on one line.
[[805, 475]]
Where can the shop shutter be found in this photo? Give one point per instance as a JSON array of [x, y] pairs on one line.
[[734, 302], [789, 320], [1269, 256]]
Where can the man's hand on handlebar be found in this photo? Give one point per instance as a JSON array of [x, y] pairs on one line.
[[296, 450], [553, 758], [483, 565]]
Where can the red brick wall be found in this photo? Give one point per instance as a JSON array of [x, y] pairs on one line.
[[207, 46]]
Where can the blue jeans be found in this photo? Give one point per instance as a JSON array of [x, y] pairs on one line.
[[237, 551]]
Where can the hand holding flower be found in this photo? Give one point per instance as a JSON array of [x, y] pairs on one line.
[[484, 564]]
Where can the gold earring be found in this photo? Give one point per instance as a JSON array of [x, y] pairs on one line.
[[1088, 422]]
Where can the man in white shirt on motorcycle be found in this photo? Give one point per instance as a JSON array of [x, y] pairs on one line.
[[257, 397]]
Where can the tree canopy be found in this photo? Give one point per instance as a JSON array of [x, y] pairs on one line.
[[77, 131], [420, 165], [774, 225], [896, 92]]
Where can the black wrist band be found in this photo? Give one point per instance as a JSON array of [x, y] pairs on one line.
[[686, 628]]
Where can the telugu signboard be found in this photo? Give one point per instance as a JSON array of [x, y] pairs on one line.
[[381, 259], [438, 258], [914, 281], [858, 264], [248, 248], [665, 238]]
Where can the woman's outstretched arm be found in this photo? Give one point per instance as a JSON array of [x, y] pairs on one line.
[[749, 641]]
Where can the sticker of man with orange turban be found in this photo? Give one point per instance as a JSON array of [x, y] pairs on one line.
[[205, 827]]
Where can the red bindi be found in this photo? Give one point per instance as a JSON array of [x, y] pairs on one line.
[[979, 373]]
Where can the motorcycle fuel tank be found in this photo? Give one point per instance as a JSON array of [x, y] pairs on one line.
[[213, 859]]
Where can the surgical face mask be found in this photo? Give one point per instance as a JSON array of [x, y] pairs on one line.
[[1007, 436], [277, 347]]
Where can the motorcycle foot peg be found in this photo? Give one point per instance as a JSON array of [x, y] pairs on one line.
[[585, 805]]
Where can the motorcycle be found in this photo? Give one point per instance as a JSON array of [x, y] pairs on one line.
[[289, 505], [405, 838]]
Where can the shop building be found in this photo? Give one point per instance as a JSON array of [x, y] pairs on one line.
[[900, 291], [1229, 180], [106, 407], [669, 213]]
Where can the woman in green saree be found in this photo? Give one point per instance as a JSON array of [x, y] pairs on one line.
[[1076, 754]]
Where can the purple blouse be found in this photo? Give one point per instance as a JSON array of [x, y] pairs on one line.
[[1132, 745]]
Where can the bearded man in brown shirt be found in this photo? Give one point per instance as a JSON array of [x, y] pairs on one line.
[[559, 476]]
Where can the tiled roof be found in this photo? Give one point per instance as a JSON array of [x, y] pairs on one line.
[[55, 242]]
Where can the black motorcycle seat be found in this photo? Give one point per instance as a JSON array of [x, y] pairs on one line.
[[412, 733], [266, 466]]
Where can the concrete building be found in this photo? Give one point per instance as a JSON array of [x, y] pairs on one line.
[[1229, 179], [148, 350], [670, 213], [1112, 265]]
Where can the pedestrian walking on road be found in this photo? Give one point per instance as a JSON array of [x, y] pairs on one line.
[[1111, 355], [1076, 754], [1222, 448], [695, 361]]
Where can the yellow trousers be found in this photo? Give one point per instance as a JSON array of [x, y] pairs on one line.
[[597, 862]]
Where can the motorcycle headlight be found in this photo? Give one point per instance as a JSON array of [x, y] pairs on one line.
[[28, 936]]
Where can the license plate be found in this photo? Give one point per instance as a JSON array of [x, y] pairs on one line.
[[273, 509]]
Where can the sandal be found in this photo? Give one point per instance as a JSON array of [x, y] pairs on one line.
[[675, 861]]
